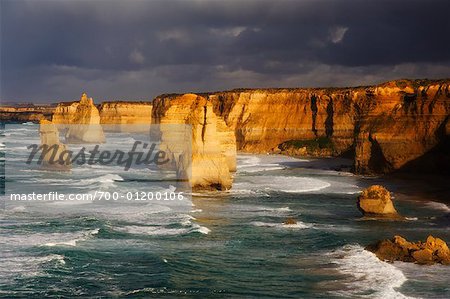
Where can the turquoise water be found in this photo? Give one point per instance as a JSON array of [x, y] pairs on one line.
[[220, 244]]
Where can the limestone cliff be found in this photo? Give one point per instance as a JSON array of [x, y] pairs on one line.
[[125, 116], [54, 157], [398, 124], [64, 113], [26, 114], [387, 126], [213, 151], [83, 120]]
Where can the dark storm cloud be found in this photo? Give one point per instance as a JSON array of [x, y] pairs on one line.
[[141, 48]]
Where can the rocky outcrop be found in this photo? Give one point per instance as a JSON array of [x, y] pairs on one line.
[[82, 121], [65, 113], [433, 250], [53, 150], [26, 114], [376, 201], [386, 126], [212, 156], [125, 116]]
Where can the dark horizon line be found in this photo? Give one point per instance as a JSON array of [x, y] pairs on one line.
[[137, 100]]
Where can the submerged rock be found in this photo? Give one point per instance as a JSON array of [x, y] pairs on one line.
[[376, 201], [290, 221], [433, 250]]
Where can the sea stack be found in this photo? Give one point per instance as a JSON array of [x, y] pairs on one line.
[[213, 147], [85, 123], [52, 159], [376, 201]]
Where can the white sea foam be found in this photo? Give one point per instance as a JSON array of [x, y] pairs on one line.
[[45, 239], [14, 265], [73, 242], [438, 206], [289, 184], [260, 168], [161, 230], [367, 274], [108, 178], [298, 225]]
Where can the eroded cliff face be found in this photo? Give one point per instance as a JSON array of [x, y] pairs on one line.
[[125, 116], [401, 122], [263, 119], [26, 114], [213, 148], [83, 120], [53, 158], [387, 126]]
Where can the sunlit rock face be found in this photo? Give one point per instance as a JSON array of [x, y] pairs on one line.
[[30, 113], [387, 127], [402, 121], [213, 151], [83, 119], [376, 201], [125, 116], [64, 113], [53, 158], [433, 250]]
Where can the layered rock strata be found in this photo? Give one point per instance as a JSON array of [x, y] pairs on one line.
[[26, 114], [212, 157], [53, 150], [82, 120], [388, 126], [125, 116]]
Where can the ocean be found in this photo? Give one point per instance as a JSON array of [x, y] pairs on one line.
[[230, 244]]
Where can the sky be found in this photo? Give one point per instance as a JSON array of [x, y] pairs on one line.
[[137, 49]]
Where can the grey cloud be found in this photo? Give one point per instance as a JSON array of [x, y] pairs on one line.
[[139, 48]]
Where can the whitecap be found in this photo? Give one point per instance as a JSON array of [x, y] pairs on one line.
[[288, 184], [161, 230], [367, 274], [298, 225], [203, 230], [438, 206], [73, 242], [13, 265], [260, 168]]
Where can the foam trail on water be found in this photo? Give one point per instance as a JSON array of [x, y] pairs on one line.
[[288, 184], [368, 276], [438, 206], [298, 225]]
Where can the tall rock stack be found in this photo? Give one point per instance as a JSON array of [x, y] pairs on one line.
[[213, 151], [53, 152], [83, 120]]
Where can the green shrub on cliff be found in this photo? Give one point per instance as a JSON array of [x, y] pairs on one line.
[[310, 144]]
